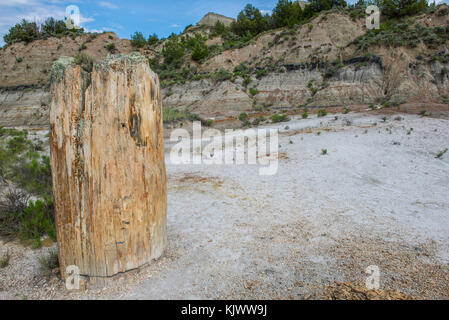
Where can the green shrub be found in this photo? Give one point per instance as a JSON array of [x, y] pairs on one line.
[[173, 51], [243, 117], [38, 220], [200, 52], [29, 31], [34, 176], [250, 21], [396, 34], [280, 118], [322, 113], [23, 31], [138, 40], [241, 68], [207, 122], [111, 47], [441, 153], [84, 61], [261, 73], [153, 40], [21, 163], [287, 14], [222, 75], [170, 115], [305, 115], [219, 29], [5, 132], [18, 144], [253, 91]]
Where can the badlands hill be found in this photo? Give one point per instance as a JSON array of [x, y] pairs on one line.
[[330, 61]]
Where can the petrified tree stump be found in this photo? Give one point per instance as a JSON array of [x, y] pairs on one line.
[[108, 167]]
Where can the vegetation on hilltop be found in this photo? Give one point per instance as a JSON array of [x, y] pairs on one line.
[[27, 31]]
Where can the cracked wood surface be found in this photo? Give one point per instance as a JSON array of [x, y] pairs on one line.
[[108, 167]]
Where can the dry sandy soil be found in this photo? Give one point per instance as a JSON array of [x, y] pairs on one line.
[[379, 197]]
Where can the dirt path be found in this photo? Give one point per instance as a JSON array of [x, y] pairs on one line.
[[379, 197]]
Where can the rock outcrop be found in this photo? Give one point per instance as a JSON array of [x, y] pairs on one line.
[[107, 159], [28, 107], [282, 63], [211, 20], [23, 64]]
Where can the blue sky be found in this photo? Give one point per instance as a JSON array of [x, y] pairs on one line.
[[124, 17]]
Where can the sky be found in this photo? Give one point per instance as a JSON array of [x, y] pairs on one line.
[[124, 17]]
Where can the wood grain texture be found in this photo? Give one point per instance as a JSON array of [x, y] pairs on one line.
[[108, 167]]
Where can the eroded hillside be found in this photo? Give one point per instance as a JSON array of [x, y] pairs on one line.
[[330, 60]]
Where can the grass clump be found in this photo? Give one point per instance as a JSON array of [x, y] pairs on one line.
[[173, 115], [322, 113], [84, 61], [253, 91], [48, 262], [280, 118], [111, 47], [441, 154], [4, 260], [243, 117]]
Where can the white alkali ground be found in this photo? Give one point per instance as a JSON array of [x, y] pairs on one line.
[[379, 197]]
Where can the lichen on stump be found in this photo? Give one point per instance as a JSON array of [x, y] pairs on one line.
[[108, 167]]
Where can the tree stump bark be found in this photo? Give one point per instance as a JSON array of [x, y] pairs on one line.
[[108, 166]]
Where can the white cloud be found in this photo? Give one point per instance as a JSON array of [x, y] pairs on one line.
[[175, 25], [14, 3], [108, 5], [13, 11]]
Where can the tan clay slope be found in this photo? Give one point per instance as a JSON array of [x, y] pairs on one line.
[[391, 74], [319, 40], [29, 64]]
